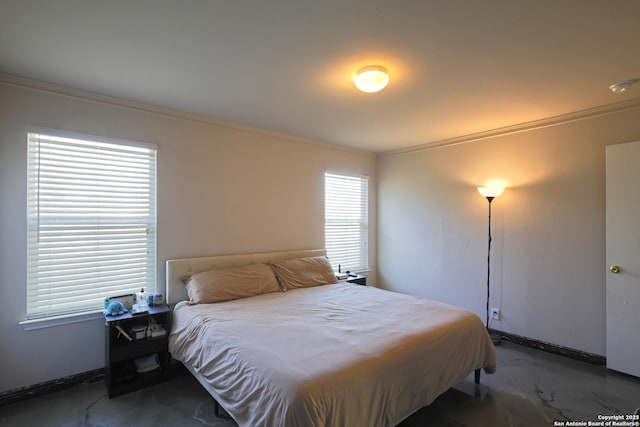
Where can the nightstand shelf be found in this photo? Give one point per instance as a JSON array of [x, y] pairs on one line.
[[121, 375]]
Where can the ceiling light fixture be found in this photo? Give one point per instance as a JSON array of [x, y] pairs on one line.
[[372, 78], [623, 86]]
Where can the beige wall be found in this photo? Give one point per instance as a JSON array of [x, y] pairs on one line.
[[220, 190], [548, 255]]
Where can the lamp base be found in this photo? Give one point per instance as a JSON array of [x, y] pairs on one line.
[[495, 339]]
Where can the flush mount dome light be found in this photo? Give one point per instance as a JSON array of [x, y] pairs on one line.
[[372, 78]]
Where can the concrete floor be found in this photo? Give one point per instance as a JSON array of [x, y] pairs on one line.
[[530, 388]]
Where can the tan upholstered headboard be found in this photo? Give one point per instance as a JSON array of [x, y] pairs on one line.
[[177, 269]]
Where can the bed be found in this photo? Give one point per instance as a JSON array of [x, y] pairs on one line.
[[327, 355]]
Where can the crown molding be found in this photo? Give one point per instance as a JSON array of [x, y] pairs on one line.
[[13, 80], [602, 110], [36, 85]]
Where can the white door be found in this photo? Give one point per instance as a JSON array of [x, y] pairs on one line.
[[623, 257]]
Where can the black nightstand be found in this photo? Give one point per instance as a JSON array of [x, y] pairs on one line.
[[121, 373], [358, 280]]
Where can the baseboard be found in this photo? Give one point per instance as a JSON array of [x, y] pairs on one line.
[[24, 393], [580, 355], [40, 389]]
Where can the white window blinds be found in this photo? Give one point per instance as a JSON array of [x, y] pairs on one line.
[[91, 223], [346, 223]]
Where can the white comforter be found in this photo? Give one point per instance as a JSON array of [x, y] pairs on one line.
[[333, 355]]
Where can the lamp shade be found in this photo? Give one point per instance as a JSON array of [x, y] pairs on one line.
[[372, 79], [490, 191]]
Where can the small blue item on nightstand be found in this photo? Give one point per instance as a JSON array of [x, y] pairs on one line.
[[115, 309]]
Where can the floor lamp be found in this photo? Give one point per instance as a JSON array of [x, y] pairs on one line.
[[490, 193]]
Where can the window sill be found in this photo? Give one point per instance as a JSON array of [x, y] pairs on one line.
[[49, 322]]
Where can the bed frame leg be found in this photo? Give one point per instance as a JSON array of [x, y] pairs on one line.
[[216, 411], [477, 379]]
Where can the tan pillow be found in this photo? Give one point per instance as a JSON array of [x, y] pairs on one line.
[[304, 272], [231, 283]]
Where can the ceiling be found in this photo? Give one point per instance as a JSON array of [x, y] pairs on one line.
[[457, 67]]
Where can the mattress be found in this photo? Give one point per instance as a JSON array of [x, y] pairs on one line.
[[329, 355]]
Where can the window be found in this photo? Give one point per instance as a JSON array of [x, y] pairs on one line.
[[346, 221], [91, 223]]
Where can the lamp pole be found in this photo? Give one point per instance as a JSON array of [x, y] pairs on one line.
[[489, 199], [490, 193]]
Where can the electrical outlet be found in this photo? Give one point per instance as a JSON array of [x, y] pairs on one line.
[[495, 313]]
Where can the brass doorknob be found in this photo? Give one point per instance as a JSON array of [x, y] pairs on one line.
[[615, 269]]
